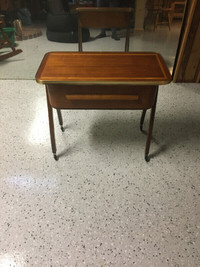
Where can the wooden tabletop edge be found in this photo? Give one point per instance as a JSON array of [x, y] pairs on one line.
[[135, 83]]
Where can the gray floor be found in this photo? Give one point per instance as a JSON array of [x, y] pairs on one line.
[[101, 204]]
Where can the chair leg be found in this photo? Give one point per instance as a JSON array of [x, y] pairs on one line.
[[142, 119], [51, 127], [127, 40], [80, 45], [169, 21], [156, 21], [149, 135], [60, 119]]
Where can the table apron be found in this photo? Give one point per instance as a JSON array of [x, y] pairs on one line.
[[66, 96]]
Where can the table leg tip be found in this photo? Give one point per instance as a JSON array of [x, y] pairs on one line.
[[147, 158], [55, 157]]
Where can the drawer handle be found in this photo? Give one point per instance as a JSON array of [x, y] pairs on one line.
[[102, 97]]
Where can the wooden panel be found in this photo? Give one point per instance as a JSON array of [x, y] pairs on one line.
[[66, 96], [104, 17], [101, 68], [197, 74], [194, 58], [101, 97], [188, 58]]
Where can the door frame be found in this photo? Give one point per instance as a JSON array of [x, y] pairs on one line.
[[187, 61]]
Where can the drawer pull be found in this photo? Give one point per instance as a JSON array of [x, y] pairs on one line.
[[102, 97]]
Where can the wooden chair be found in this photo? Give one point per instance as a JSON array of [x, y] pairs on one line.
[[6, 42], [99, 18], [164, 14], [160, 12], [178, 9]]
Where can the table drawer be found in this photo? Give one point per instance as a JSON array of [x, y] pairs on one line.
[[101, 96]]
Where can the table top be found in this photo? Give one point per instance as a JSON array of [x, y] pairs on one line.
[[103, 68]]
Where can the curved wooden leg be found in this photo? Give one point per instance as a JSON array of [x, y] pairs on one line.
[[60, 119], [149, 135], [51, 126]]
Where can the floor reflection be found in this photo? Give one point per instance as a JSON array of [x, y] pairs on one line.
[[25, 65]]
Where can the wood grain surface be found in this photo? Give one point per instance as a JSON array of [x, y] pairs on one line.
[[103, 68]]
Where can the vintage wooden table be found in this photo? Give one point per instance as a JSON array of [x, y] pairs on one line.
[[102, 80]]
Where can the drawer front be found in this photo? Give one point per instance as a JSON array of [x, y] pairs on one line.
[[101, 96]]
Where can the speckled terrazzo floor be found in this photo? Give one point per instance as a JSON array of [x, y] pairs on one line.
[[101, 204]]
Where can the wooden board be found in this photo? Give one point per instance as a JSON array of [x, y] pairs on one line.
[[102, 68]]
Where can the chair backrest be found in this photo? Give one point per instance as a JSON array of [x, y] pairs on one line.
[[104, 17], [154, 4]]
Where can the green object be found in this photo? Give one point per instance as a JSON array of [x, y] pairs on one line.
[[10, 33]]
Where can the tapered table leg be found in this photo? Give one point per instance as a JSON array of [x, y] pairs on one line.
[[60, 119], [51, 126], [142, 119], [149, 135]]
